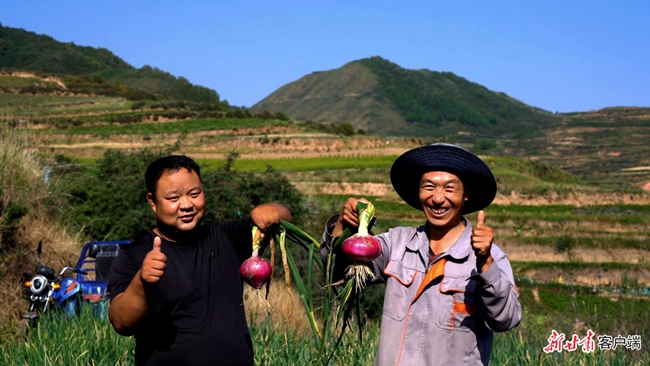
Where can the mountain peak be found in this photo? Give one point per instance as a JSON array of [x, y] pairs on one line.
[[382, 97]]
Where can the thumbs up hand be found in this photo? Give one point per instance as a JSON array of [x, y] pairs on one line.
[[154, 264], [481, 240]]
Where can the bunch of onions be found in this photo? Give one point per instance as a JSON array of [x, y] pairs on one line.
[[362, 248], [256, 271]]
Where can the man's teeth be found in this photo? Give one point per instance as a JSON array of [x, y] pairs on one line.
[[439, 211]]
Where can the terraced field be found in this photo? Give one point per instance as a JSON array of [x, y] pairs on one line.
[[605, 147]]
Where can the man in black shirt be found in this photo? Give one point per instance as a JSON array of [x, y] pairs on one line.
[[177, 288]]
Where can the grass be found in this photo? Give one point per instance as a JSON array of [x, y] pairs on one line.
[[90, 340], [83, 340], [276, 346], [573, 312]]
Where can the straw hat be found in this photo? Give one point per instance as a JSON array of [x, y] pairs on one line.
[[407, 170]]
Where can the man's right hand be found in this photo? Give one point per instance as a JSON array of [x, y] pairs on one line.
[[154, 264], [129, 307], [349, 216]]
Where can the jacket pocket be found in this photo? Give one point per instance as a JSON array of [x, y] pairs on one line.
[[399, 291], [457, 308]]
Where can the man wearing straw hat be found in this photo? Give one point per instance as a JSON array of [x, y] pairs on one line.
[[448, 286]]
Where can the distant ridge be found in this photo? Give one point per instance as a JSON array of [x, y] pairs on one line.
[[27, 51], [379, 96]]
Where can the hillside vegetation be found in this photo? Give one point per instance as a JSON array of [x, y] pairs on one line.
[[92, 70], [382, 97], [608, 147]]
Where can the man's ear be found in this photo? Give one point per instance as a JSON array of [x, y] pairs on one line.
[[152, 201], [467, 194]]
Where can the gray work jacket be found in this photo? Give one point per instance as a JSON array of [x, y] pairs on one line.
[[450, 320]]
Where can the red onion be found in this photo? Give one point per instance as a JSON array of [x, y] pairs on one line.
[[362, 247], [256, 271]]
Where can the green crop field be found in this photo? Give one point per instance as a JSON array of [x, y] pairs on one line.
[[88, 340], [329, 164]]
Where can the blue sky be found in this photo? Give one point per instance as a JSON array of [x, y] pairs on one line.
[[561, 56]]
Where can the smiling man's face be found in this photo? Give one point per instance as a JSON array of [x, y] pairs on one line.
[[179, 202], [442, 196]]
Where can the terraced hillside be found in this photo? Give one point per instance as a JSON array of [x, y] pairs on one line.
[[607, 147]]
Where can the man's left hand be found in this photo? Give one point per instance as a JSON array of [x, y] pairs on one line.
[[481, 240], [268, 215]]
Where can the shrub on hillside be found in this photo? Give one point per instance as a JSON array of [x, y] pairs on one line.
[[266, 115], [281, 116], [138, 105], [345, 129], [485, 144], [109, 202]]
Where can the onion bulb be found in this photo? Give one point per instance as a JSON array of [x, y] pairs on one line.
[[361, 248], [256, 271]]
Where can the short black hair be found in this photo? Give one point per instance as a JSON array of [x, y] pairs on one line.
[[174, 163]]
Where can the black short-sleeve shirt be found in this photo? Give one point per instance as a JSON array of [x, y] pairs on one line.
[[196, 313]]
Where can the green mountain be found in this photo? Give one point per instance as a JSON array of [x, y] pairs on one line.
[[28, 51], [379, 96]]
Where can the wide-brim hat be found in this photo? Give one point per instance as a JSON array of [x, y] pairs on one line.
[[477, 178]]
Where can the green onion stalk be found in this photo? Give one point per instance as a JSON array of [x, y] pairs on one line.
[[338, 303]]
